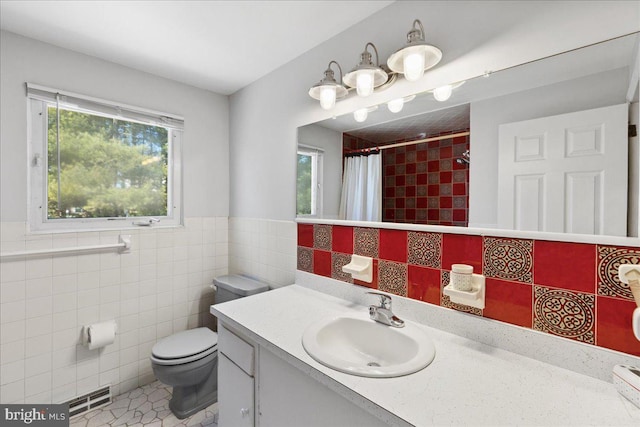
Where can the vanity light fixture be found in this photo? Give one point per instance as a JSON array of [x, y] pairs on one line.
[[328, 89], [396, 105], [416, 56], [362, 114], [443, 93], [366, 76]]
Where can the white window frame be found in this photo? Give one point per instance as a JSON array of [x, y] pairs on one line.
[[38, 98], [317, 159]]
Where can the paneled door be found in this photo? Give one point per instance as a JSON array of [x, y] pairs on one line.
[[565, 173]]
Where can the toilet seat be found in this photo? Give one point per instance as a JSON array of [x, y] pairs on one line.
[[184, 347]]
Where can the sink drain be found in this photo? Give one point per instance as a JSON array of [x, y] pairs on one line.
[[373, 364]]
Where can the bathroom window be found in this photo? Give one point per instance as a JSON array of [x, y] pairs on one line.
[[309, 181], [97, 165]]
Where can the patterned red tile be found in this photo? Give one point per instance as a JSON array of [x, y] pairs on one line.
[[425, 249], [424, 284], [366, 241], [508, 302], [614, 325], [609, 259], [508, 259], [564, 313], [564, 265], [305, 235], [339, 260], [322, 236], [462, 249], [322, 263], [342, 239], [305, 259], [393, 245], [392, 277]]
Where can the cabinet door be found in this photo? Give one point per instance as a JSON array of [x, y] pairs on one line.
[[235, 395]]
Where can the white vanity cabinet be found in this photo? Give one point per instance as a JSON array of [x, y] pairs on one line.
[[236, 385]]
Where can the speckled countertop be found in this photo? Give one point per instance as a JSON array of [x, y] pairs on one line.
[[468, 383]]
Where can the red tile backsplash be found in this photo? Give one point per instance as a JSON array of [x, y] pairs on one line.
[[565, 289], [563, 265]]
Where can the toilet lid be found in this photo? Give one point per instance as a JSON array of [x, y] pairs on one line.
[[185, 343]]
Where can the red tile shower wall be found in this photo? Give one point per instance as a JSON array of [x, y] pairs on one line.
[[566, 289], [423, 183]]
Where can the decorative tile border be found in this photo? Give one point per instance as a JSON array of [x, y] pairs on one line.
[[508, 259], [557, 305], [609, 259], [366, 241], [392, 277], [322, 236], [564, 313], [425, 249]]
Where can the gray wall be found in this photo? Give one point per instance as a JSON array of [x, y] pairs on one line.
[[206, 135]]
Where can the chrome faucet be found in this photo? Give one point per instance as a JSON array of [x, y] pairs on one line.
[[382, 313]]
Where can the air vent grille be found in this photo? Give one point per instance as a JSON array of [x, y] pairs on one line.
[[89, 401]]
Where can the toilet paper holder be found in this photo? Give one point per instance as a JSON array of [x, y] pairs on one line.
[[94, 342]]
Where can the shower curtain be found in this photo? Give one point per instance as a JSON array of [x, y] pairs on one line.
[[361, 198]]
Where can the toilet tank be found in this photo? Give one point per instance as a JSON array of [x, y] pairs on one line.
[[233, 286]]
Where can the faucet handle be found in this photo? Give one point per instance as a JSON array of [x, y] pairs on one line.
[[385, 300]]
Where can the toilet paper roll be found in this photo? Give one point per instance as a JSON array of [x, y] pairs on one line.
[[101, 334]]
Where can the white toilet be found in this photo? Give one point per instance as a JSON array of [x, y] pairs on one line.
[[188, 360]]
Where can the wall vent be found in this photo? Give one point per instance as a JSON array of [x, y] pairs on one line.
[[85, 403]]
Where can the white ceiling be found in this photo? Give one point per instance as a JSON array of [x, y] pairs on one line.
[[221, 46]]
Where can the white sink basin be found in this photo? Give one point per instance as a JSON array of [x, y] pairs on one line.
[[360, 346]]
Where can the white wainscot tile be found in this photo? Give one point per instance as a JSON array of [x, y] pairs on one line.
[[147, 318], [129, 372], [165, 314], [13, 271], [12, 331], [65, 339], [109, 311], [88, 368], [37, 268], [128, 339], [89, 280], [65, 284], [88, 384], [38, 384], [148, 303], [110, 377], [129, 306], [109, 277], [12, 392], [148, 287], [88, 298], [12, 291], [144, 349], [65, 320], [37, 307], [12, 311], [11, 372], [128, 355], [63, 376], [87, 316], [109, 361], [37, 365], [148, 257], [64, 265], [164, 329], [109, 294], [38, 345], [88, 263], [148, 272], [63, 393], [129, 291], [65, 302], [110, 261], [129, 275], [64, 357], [148, 239], [12, 352]]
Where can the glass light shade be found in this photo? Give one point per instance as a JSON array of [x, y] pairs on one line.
[[395, 106], [442, 93], [414, 63], [327, 97], [360, 115], [364, 82]]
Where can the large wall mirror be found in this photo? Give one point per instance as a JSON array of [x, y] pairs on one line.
[[543, 146]]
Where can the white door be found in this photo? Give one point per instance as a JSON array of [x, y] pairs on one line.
[[565, 173]]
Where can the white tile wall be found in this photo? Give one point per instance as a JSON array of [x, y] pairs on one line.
[[264, 249], [160, 287]]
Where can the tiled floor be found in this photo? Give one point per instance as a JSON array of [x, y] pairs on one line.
[[145, 406]]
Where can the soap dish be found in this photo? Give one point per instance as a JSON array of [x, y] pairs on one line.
[[472, 298]]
